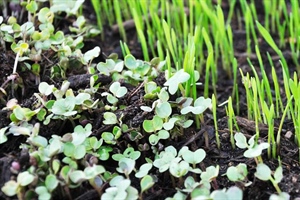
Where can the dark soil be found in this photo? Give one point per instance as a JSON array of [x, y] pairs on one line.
[[224, 157]]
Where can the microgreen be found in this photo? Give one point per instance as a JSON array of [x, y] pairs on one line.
[[176, 80], [14, 187], [190, 38], [238, 174], [254, 150], [263, 172]]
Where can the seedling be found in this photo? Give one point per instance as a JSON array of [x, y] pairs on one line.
[[146, 183], [128, 153], [16, 187], [120, 188], [176, 80], [192, 157], [264, 173], [238, 174], [117, 91], [254, 149]]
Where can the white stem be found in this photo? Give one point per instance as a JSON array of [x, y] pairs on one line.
[[16, 62]]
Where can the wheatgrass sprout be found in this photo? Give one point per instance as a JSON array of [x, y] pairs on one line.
[[278, 100], [188, 66], [287, 91], [265, 81], [267, 8], [231, 121], [210, 65], [249, 96], [118, 14], [257, 89], [249, 24], [124, 48], [171, 40], [214, 111], [269, 114], [266, 35], [97, 9], [256, 108], [139, 29], [282, 121], [230, 13], [235, 90], [295, 91]]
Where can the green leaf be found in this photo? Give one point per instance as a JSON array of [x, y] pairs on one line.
[[263, 172], [69, 149], [77, 176], [43, 193], [210, 173], [92, 172], [64, 173], [233, 174], [126, 165], [55, 146], [39, 141], [281, 196], [45, 88], [79, 152], [179, 169], [81, 97], [256, 150], [150, 87], [148, 126], [80, 134], [68, 6], [163, 110], [93, 143], [267, 36], [153, 139], [103, 152], [163, 134], [108, 137], [157, 123], [179, 77], [41, 114], [111, 99], [64, 106], [91, 54], [10, 188], [170, 124], [241, 140], [25, 178], [19, 113], [130, 62], [117, 89], [146, 183], [278, 175], [144, 170], [55, 166], [234, 193], [3, 137], [45, 15], [200, 105], [109, 66], [110, 118], [58, 38], [203, 103], [194, 157], [51, 182]]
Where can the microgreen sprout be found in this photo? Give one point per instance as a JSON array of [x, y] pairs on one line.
[[263, 172], [254, 150]]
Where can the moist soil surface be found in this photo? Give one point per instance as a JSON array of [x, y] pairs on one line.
[[224, 157]]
